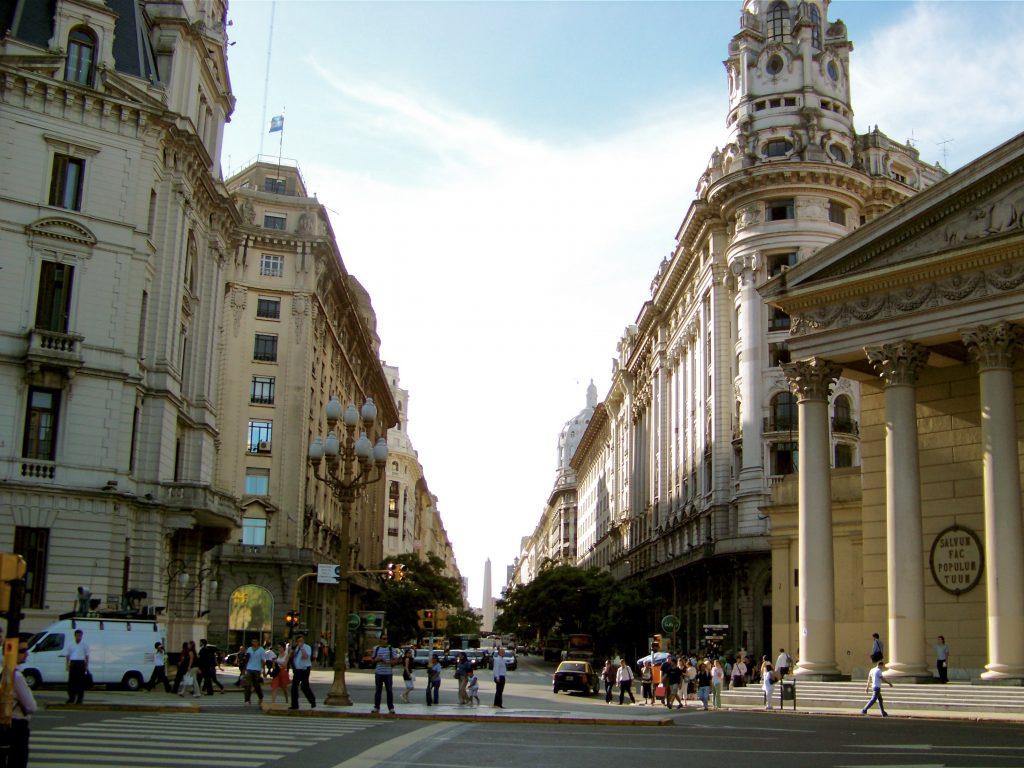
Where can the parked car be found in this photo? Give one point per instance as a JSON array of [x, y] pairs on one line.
[[511, 662], [575, 676], [421, 657], [476, 657]]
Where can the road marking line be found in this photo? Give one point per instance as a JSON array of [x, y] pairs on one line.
[[383, 753]]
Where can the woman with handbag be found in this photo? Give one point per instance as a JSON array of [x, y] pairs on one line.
[[280, 681], [187, 667]]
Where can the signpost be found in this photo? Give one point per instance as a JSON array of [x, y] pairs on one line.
[[328, 573]]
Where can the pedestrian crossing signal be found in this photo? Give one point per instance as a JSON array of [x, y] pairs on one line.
[[291, 619], [425, 619]]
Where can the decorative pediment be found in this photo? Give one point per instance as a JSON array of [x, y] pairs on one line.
[[119, 87], [257, 504], [60, 228]]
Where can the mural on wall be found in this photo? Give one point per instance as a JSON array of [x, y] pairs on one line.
[[251, 611]]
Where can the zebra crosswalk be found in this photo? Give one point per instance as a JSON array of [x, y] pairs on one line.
[[199, 739]]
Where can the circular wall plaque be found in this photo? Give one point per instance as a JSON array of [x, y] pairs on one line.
[[957, 560]]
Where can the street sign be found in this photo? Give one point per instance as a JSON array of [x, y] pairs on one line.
[[327, 573], [354, 621], [670, 623]]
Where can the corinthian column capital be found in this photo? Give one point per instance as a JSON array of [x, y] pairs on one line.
[[993, 346], [812, 379], [898, 363]]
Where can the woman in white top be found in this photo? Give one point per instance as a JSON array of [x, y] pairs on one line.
[[717, 678], [280, 681], [624, 677]]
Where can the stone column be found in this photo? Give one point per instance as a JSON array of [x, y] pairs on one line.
[[752, 339], [812, 381], [898, 365], [993, 348]]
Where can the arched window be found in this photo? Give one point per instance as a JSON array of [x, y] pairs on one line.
[[81, 56], [815, 27], [784, 413], [778, 22], [842, 416]]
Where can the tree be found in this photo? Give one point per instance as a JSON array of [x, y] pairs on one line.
[[424, 586]]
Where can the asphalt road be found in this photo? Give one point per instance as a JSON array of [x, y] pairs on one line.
[[225, 734]]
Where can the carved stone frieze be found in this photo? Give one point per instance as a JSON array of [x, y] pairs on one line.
[[950, 290], [899, 363], [993, 346], [812, 379], [300, 311]]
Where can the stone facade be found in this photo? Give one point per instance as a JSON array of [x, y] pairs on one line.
[[924, 308], [115, 229], [298, 329], [699, 423]]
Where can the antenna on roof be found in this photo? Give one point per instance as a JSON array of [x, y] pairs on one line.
[[945, 149], [266, 77]]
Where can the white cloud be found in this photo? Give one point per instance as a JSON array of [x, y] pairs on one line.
[[503, 286], [944, 72]]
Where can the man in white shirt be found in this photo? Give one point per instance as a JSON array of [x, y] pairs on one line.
[[77, 665], [302, 662], [783, 662], [499, 669], [875, 681]]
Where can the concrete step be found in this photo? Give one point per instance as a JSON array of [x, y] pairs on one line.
[[953, 696]]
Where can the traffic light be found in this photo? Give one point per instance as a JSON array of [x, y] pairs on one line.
[[656, 644], [12, 567], [396, 571], [426, 619], [440, 619], [291, 619]]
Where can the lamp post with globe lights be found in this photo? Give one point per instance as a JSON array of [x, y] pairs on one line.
[[352, 463]]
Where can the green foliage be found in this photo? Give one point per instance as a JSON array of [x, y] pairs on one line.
[[465, 622], [424, 586], [564, 599]]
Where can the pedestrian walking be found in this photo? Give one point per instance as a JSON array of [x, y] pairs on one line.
[[302, 665], [77, 665], [704, 684], [608, 676], [385, 659], [189, 665], [281, 681], [463, 669], [624, 677], [473, 689], [408, 675], [499, 670], [433, 680], [877, 649], [253, 665], [768, 685], [673, 679], [717, 680], [647, 683], [875, 680], [942, 659], [159, 674], [208, 667]]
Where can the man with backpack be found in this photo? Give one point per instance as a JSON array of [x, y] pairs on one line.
[[385, 658]]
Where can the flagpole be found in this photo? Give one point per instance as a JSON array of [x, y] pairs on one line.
[[280, 145]]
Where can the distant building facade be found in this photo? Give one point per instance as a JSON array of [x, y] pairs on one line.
[[298, 330]]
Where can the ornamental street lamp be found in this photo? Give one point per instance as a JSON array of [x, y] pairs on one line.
[[350, 461]]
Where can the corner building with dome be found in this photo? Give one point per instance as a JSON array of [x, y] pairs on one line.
[[677, 467]]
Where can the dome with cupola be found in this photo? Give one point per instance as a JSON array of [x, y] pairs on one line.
[[572, 432]]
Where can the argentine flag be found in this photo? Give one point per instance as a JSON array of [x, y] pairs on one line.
[[277, 123]]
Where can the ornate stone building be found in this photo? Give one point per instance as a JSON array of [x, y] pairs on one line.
[[412, 522], [116, 229], [699, 423], [298, 330], [924, 307]]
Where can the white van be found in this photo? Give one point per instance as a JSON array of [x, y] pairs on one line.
[[121, 651]]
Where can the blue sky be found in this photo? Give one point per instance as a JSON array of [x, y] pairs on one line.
[[505, 177]]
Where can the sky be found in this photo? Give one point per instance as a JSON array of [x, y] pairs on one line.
[[504, 178]]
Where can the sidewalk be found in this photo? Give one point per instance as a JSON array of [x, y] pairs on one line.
[[536, 704]]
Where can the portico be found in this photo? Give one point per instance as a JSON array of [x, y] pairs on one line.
[[925, 307]]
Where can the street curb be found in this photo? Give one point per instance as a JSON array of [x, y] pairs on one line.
[[101, 707], [528, 719]]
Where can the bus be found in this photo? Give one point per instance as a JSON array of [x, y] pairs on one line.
[[580, 648]]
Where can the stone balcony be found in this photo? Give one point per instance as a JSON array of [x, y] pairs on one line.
[[54, 349]]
